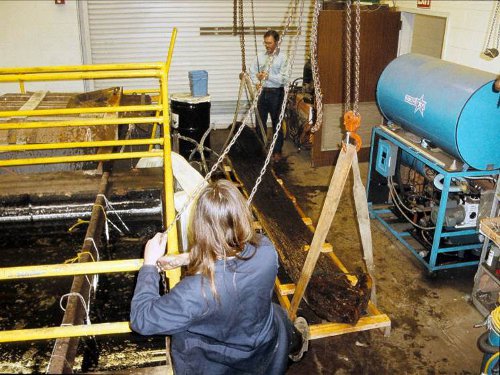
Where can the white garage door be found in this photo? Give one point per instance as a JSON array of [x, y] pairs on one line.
[[139, 31]]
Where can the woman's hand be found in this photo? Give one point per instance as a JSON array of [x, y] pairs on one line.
[[169, 262], [155, 248]]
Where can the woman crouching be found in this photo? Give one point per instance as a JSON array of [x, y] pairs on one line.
[[220, 315]]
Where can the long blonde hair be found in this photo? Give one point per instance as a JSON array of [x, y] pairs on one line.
[[221, 226]]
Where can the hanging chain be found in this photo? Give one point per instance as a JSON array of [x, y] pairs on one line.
[[347, 79], [252, 108], [498, 36], [255, 35], [242, 37], [318, 95], [235, 19], [493, 25], [285, 97], [357, 41]]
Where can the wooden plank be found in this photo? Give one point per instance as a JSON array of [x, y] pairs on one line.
[[33, 102], [361, 203], [30, 104], [328, 211], [65, 186], [156, 370], [307, 221], [374, 320], [286, 289], [325, 248], [490, 227], [282, 299], [318, 331], [64, 353]]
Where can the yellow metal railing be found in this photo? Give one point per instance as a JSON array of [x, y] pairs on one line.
[[71, 269], [49, 333], [35, 120]]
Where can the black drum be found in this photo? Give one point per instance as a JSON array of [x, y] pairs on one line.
[[190, 118]]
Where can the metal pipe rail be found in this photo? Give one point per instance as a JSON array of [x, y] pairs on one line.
[[49, 333], [77, 158], [102, 71], [63, 145], [71, 269], [87, 122], [78, 111], [82, 68], [70, 76]]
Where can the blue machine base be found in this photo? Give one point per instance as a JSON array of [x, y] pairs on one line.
[[381, 211]]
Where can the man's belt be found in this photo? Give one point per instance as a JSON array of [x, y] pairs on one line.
[[273, 88]]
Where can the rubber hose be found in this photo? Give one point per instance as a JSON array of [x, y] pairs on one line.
[[485, 346]]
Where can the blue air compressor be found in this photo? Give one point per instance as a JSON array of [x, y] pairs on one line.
[[434, 165]]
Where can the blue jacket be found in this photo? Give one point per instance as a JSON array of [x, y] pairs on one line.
[[243, 333]]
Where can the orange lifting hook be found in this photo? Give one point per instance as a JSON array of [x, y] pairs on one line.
[[352, 122]]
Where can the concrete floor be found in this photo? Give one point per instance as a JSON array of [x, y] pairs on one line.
[[432, 319]]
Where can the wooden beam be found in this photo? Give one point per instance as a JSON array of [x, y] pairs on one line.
[[64, 353], [361, 203], [325, 248], [282, 299], [328, 211], [318, 331], [286, 289]]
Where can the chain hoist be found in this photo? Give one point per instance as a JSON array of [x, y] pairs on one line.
[[491, 50], [286, 90], [318, 95], [242, 36], [255, 34], [352, 118], [235, 17]]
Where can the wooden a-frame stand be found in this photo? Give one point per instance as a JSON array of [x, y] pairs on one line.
[[374, 318]]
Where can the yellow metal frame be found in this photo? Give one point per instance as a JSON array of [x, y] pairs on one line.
[[71, 269], [49, 333], [161, 109]]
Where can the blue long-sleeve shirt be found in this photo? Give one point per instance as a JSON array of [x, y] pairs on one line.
[[238, 335], [278, 73]]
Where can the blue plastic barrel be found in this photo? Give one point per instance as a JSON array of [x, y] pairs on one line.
[[451, 105], [198, 82]]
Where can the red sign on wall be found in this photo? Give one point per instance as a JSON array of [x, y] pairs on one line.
[[423, 3]]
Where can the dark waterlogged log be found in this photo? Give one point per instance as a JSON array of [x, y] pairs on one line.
[[329, 293]]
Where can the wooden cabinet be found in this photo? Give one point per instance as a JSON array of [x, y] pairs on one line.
[[378, 46]]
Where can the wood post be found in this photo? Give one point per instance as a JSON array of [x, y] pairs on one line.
[[64, 353], [328, 211], [347, 159], [361, 203]]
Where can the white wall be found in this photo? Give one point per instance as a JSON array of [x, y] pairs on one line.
[[466, 30], [39, 33]]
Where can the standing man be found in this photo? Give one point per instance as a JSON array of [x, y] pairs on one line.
[[273, 80]]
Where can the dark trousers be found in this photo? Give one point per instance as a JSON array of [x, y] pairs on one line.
[[289, 341], [270, 102]]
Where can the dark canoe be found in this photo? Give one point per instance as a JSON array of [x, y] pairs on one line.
[[329, 293]]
